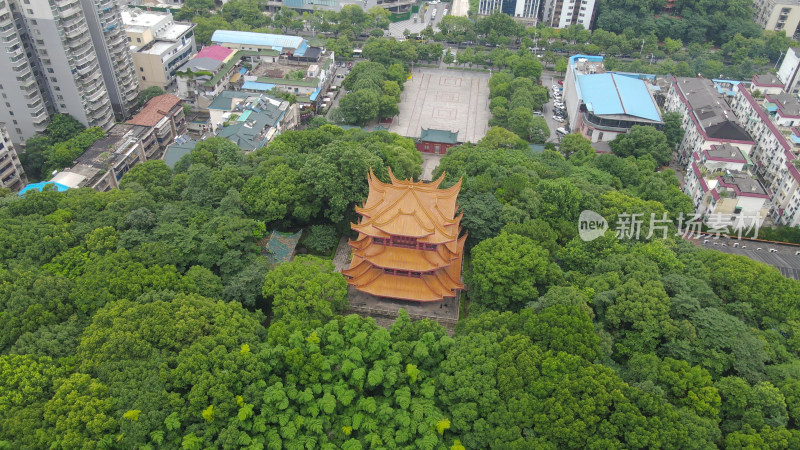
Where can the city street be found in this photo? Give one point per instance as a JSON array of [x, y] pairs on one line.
[[396, 29]]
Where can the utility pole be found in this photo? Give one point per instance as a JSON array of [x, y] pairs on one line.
[[779, 60]]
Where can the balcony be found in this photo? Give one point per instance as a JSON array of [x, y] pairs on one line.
[[66, 3], [87, 69], [72, 21], [88, 58], [78, 43], [71, 11], [96, 95], [75, 31]]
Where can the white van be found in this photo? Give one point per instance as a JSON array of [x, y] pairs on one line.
[[562, 131]]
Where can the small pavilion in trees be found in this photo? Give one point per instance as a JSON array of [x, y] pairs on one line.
[[408, 244]]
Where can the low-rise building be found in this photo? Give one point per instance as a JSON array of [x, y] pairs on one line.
[[12, 176], [723, 191], [707, 118], [436, 141], [159, 45], [247, 40], [251, 120], [767, 83], [103, 164], [213, 70], [602, 105], [164, 114]]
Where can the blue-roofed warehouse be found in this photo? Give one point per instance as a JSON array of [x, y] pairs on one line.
[[601, 105], [246, 40]]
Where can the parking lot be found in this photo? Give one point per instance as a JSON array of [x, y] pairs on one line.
[[548, 80]]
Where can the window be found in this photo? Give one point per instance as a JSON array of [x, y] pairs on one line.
[[49, 70], [138, 40], [30, 11], [141, 69], [33, 21], [60, 97], [18, 130], [15, 122], [144, 78]]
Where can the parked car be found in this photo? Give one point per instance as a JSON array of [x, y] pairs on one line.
[[561, 82], [558, 105], [538, 113], [562, 130], [558, 119]]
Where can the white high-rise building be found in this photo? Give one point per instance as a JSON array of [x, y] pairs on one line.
[[520, 9], [563, 13], [22, 105], [69, 69], [63, 56], [11, 174], [111, 44]]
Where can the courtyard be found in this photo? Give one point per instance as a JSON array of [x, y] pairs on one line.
[[446, 100]]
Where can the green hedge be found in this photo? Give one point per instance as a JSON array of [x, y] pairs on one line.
[[399, 17]]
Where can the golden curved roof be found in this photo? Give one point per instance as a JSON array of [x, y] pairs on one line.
[[412, 209]]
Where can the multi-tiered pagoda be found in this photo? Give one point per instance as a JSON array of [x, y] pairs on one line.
[[408, 246]]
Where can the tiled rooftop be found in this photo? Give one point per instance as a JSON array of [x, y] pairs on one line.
[[155, 110]]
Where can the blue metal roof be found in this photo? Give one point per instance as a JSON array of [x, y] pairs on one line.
[[302, 49], [276, 41], [314, 94], [257, 86], [39, 186], [607, 93], [243, 70]]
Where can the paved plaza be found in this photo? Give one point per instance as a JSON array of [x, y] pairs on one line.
[[446, 100]]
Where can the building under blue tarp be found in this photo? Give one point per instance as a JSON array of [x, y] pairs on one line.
[[40, 186]]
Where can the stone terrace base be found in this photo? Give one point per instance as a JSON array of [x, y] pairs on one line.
[[384, 311]]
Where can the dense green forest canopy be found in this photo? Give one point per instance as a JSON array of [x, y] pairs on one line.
[[146, 316]]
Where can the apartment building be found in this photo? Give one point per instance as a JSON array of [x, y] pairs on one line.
[[64, 56], [774, 156], [12, 176], [563, 13], [722, 190], [159, 46], [116, 64], [103, 164], [717, 153], [164, 114], [519, 9], [778, 15], [707, 118], [18, 80], [69, 65]]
